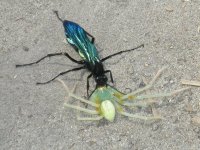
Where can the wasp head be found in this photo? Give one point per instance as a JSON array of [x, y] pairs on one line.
[[101, 80]]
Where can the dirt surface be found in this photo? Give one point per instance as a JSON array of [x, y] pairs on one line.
[[33, 117]]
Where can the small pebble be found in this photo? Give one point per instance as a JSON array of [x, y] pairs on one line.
[[146, 64], [155, 127], [171, 47], [25, 48], [196, 120], [169, 9]]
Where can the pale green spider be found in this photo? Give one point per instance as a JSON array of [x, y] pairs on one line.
[[107, 100]]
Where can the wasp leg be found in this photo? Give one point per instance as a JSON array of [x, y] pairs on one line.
[[93, 38], [121, 52], [62, 73], [50, 55], [111, 77], [57, 15], [88, 85]]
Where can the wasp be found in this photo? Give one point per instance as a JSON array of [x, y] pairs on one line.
[[83, 43]]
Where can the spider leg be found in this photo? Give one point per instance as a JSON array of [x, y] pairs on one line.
[[147, 86]]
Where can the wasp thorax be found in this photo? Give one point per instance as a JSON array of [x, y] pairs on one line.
[[108, 110]]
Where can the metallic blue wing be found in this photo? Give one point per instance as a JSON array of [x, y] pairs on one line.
[[77, 37]]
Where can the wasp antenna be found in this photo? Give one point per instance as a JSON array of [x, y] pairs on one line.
[[56, 12]]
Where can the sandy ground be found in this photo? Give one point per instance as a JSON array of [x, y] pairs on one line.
[[33, 117]]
